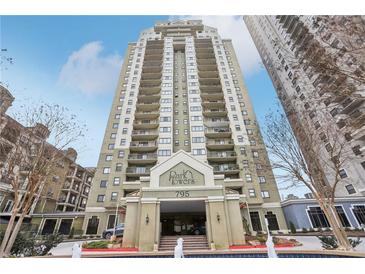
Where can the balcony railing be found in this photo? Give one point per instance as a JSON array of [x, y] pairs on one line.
[[143, 144], [222, 154], [137, 171], [225, 168], [142, 156], [217, 130]]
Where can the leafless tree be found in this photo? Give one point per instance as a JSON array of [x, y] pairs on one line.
[[299, 156], [31, 160]]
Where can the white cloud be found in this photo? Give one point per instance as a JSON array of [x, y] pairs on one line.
[[88, 71], [233, 27]]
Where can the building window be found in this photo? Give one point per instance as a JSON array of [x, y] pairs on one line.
[[103, 183], [245, 163], [248, 178], [165, 129], [100, 198], [350, 189], [106, 170], [251, 192], [165, 140], [197, 128], [318, 219], [114, 196], [92, 225], [341, 213], [262, 179], [255, 221], [272, 221], [116, 181], [359, 213], [111, 146], [198, 139], [164, 152], [8, 206], [118, 167], [111, 222], [121, 154], [122, 142], [199, 151], [108, 157], [342, 173], [255, 154], [265, 194]]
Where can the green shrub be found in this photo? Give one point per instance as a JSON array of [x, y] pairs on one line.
[[330, 242], [98, 244], [28, 246], [355, 243], [292, 228], [261, 238]]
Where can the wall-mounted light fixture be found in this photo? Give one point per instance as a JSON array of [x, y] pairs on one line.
[[147, 219], [218, 218]]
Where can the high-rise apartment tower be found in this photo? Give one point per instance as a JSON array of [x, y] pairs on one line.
[[182, 151]]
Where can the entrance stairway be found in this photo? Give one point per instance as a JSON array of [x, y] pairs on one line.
[[191, 242]]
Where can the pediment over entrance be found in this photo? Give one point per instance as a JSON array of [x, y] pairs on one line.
[[181, 169]]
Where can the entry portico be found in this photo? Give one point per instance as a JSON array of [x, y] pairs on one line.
[[182, 195]]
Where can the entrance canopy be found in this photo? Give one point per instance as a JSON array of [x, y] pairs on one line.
[[182, 206]]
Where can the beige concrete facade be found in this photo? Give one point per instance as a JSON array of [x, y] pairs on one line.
[[182, 147]]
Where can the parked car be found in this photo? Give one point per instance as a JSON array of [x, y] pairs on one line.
[[119, 230]]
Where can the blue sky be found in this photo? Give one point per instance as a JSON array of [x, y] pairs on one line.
[[74, 61]]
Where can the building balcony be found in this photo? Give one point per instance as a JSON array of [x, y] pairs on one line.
[[143, 146], [153, 57], [153, 51], [149, 90], [145, 106], [205, 54], [151, 69], [147, 115], [218, 132], [226, 169], [350, 104], [215, 112], [206, 62], [213, 103], [221, 156], [137, 171], [287, 21], [152, 63], [72, 176], [146, 158], [145, 124], [151, 76], [359, 134], [70, 202], [216, 122], [210, 81], [150, 47], [212, 96], [211, 67], [155, 83], [357, 118], [211, 88], [149, 98], [208, 74], [144, 134], [220, 144]]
